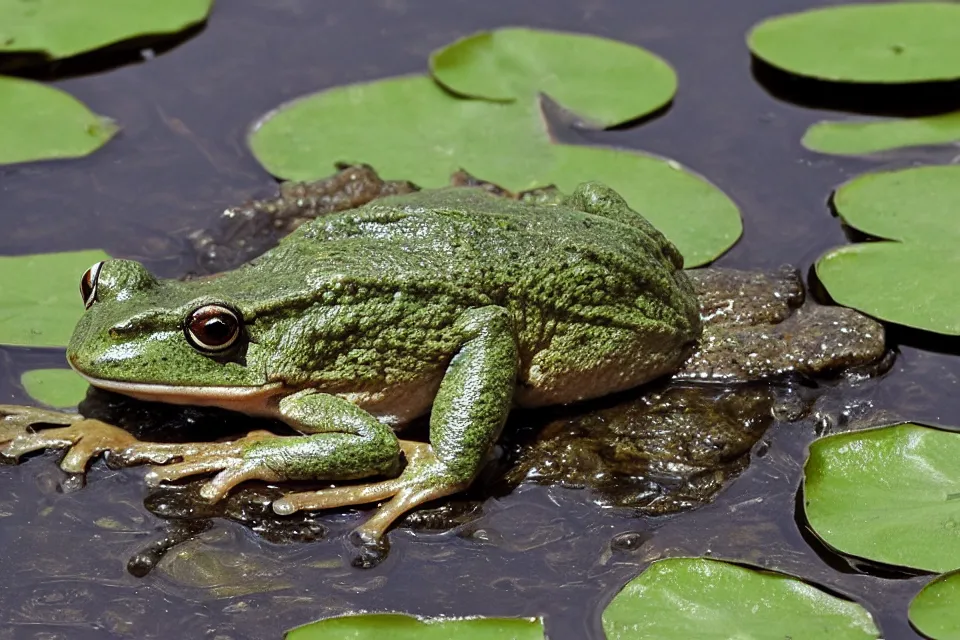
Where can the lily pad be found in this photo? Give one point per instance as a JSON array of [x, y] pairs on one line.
[[910, 284], [411, 129], [888, 42], [376, 626], [935, 612], [42, 296], [693, 213], [408, 128], [910, 281], [60, 388], [890, 494], [38, 122], [863, 137], [63, 29], [682, 598], [606, 83]]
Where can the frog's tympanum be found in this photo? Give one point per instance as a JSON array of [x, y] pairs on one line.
[[452, 302]]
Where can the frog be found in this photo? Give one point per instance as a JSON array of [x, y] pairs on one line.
[[453, 303]]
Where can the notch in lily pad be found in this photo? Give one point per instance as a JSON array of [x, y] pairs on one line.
[[909, 275], [683, 598], [889, 494], [376, 626], [604, 82]]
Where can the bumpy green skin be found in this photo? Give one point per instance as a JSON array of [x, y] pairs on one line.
[[479, 302]]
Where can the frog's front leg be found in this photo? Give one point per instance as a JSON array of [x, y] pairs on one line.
[[343, 442], [468, 413]]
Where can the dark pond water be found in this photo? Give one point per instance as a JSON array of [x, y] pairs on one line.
[[181, 159]]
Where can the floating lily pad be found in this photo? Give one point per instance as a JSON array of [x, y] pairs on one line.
[[935, 612], [910, 281], [891, 495], [41, 296], [62, 29], [910, 284], [606, 83], [863, 137], [408, 128], [395, 626], [411, 129], [61, 388], [888, 42], [693, 213], [682, 598], [38, 122]]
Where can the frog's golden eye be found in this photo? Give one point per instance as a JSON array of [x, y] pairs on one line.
[[88, 285], [212, 328]]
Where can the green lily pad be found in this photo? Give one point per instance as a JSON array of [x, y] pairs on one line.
[[935, 612], [607, 82], [411, 129], [890, 494], [910, 284], [408, 128], [63, 29], [693, 213], [863, 137], [377, 626], [41, 295], [921, 204], [889, 42], [38, 122], [683, 598], [60, 388], [909, 281]]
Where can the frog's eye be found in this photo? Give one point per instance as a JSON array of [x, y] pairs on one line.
[[88, 285], [212, 328]]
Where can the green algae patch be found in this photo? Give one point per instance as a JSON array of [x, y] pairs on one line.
[[890, 495], [885, 43], [38, 122], [682, 598]]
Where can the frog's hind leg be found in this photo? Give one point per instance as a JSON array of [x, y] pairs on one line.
[[469, 411]]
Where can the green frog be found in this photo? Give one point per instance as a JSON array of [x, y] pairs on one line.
[[452, 302]]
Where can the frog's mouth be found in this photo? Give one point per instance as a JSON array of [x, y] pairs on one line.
[[257, 401]]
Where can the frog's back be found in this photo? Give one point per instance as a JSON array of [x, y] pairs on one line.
[[599, 303]]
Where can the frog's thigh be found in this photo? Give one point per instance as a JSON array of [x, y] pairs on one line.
[[588, 361], [476, 392], [343, 441]]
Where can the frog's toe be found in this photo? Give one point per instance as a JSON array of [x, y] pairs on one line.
[[425, 478], [15, 420]]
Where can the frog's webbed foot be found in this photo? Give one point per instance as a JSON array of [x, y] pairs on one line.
[[85, 439], [424, 478], [231, 461]]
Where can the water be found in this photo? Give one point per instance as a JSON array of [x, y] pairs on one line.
[[180, 159]]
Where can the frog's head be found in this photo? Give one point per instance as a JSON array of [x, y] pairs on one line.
[[161, 339]]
